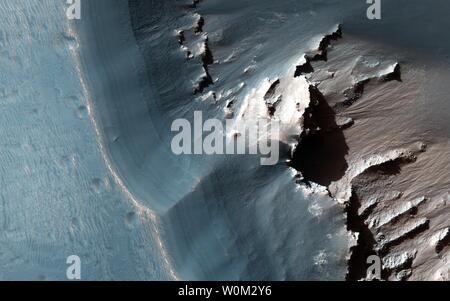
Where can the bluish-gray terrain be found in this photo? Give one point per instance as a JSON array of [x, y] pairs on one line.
[[87, 169]]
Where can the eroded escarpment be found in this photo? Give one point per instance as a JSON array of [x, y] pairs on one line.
[[356, 91], [207, 59], [194, 42], [406, 230], [385, 221], [320, 155], [330, 95], [318, 54], [314, 125]]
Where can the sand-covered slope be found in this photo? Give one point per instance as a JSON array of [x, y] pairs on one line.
[[57, 197]]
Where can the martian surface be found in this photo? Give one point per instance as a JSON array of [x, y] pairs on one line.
[[88, 169]]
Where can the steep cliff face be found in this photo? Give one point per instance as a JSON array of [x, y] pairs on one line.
[[364, 146], [245, 213], [356, 125]]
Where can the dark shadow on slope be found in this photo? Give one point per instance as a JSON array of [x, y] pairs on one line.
[[207, 60], [390, 168], [396, 74], [357, 264], [442, 244], [304, 68], [320, 155], [408, 236]]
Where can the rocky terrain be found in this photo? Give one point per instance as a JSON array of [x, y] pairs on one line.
[[344, 114]]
